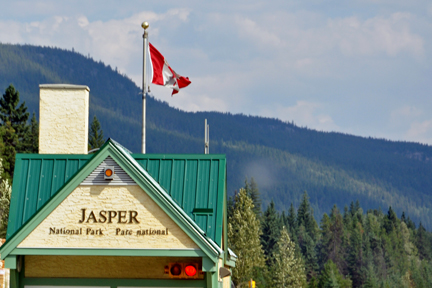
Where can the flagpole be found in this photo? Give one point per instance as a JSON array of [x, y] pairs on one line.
[[144, 25]]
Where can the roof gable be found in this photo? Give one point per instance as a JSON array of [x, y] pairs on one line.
[[95, 216], [120, 177], [140, 176]]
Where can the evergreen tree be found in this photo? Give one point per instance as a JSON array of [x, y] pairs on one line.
[[355, 254], [371, 279], [16, 115], [305, 217], [96, 138], [5, 196], [292, 221], [8, 143], [253, 192], [244, 239], [390, 221], [34, 135], [307, 235], [289, 271], [334, 240], [325, 239], [230, 205], [423, 243], [271, 232], [308, 249], [331, 277]]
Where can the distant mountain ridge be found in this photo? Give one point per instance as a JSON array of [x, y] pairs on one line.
[[285, 159]]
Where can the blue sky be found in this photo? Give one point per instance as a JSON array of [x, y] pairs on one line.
[[361, 67]]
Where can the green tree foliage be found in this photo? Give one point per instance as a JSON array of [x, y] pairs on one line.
[[5, 196], [17, 115], [423, 242], [244, 239], [96, 138], [271, 226], [9, 140], [17, 136], [34, 135], [333, 240], [307, 235], [356, 249], [291, 221], [334, 168], [332, 278], [253, 192], [289, 270]]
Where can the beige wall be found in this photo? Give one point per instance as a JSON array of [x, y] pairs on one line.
[[101, 266], [108, 198], [63, 119], [226, 281]]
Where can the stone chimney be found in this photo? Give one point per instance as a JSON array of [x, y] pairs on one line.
[[63, 119]]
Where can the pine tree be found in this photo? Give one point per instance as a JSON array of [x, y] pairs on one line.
[[16, 115], [423, 243], [371, 279], [390, 221], [8, 143], [253, 192], [289, 271], [334, 248], [355, 254], [271, 232], [331, 277], [308, 249], [292, 221], [325, 239], [307, 235], [5, 196], [96, 138], [244, 239], [34, 135], [305, 217]]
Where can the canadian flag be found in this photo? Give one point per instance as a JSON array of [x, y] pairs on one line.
[[163, 74]]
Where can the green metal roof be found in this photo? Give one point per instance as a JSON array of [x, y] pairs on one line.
[[36, 179], [196, 183]]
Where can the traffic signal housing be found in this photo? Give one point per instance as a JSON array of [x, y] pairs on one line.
[[183, 270]]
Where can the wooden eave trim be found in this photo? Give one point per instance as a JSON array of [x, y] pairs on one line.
[[109, 252]]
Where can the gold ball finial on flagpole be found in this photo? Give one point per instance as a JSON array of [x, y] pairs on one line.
[[145, 25]]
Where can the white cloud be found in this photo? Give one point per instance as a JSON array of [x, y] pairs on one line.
[[252, 29], [420, 132], [406, 113], [10, 32], [389, 35], [260, 59], [304, 113], [349, 35]]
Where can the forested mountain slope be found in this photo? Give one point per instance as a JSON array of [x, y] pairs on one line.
[[283, 158]]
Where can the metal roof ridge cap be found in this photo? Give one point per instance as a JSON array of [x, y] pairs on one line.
[[162, 192], [170, 201]]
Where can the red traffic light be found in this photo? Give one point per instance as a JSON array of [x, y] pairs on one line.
[[190, 270], [176, 269], [183, 270]]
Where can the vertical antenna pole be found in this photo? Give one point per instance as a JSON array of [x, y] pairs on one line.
[[144, 25], [206, 137]]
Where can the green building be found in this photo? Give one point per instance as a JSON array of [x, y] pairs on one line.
[[113, 218]]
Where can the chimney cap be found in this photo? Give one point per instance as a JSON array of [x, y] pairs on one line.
[[64, 86]]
